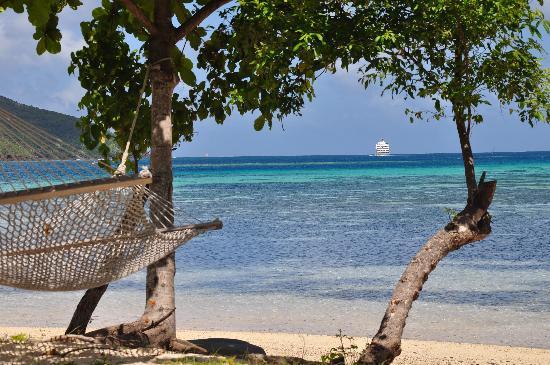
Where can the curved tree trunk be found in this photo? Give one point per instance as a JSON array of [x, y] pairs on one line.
[[473, 224]]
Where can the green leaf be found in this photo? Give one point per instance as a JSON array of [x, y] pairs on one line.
[[259, 123], [99, 12], [39, 12], [41, 46]]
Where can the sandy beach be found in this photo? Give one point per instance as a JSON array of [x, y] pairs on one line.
[[311, 347]]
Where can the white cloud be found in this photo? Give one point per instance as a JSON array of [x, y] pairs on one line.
[[69, 96], [41, 81]]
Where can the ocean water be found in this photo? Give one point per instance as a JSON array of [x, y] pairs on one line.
[[316, 243]]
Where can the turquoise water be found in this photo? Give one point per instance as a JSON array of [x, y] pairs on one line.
[[339, 211], [316, 243]]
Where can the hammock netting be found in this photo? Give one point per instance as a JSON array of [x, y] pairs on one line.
[[66, 224]]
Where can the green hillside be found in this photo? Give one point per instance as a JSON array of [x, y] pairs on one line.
[[60, 125]]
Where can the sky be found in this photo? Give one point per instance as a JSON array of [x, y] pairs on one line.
[[344, 118]]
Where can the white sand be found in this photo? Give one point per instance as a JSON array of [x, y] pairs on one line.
[[312, 347]]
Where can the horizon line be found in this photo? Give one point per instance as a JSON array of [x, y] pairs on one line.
[[355, 155]]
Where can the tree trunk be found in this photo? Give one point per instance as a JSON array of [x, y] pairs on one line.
[[84, 310], [466, 148], [386, 344], [157, 325], [471, 225], [160, 295], [460, 104]]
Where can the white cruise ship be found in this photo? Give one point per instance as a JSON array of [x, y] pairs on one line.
[[382, 148]]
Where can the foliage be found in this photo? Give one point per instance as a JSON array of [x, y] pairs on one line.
[[111, 72], [266, 55], [255, 59], [463, 54], [20, 337], [112, 76], [451, 213], [346, 351]]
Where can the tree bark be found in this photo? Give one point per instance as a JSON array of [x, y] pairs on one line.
[[84, 310], [194, 21], [160, 295], [467, 154]]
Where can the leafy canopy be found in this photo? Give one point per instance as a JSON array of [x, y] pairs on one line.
[[263, 55], [266, 55], [466, 53]]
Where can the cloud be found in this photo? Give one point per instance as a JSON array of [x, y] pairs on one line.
[[41, 81], [15, 34], [69, 96]]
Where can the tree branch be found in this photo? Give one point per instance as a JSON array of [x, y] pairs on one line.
[[140, 15], [196, 19]]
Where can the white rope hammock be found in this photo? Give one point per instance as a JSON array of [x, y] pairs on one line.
[[66, 224]]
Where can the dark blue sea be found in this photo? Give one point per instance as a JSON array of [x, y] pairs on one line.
[[316, 243]]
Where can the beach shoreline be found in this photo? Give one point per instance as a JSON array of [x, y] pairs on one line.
[[312, 347]]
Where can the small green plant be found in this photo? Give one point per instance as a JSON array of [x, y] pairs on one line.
[[20, 337], [346, 352], [451, 212]]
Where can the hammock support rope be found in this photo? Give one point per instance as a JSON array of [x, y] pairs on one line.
[[66, 224]]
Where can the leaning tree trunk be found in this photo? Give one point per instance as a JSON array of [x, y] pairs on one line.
[[471, 225]]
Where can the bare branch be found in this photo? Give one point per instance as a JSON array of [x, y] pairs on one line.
[[140, 15], [192, 23]]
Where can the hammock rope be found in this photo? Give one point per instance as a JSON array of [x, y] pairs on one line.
[[121, 170], [67, 224]]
